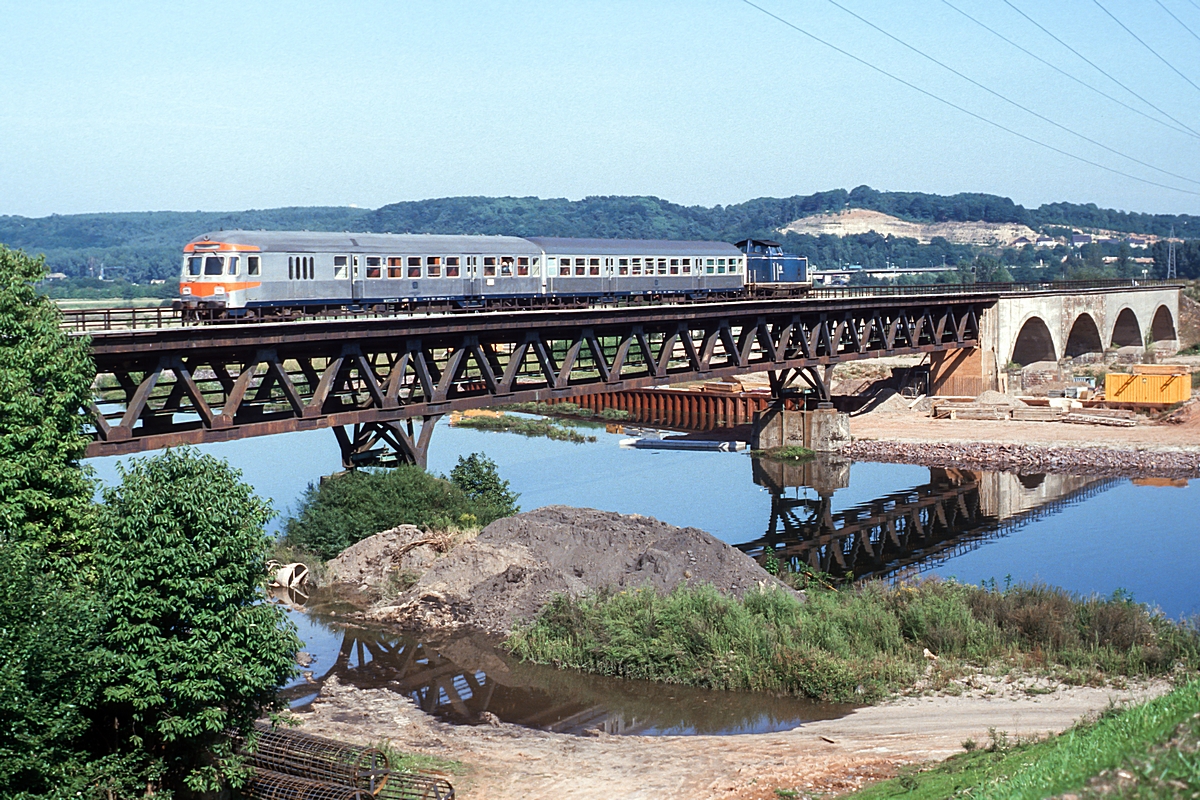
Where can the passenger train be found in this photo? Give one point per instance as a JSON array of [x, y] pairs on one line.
[[267, 273]]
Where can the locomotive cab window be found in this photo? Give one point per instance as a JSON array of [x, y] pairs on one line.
[[253, 265], [341, 267], [214, 265], [233, 266], [193, 265], [451, 266], [395, 267]]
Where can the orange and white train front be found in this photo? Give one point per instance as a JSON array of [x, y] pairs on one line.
[[218, 274]]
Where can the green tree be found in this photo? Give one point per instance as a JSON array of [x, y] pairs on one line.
[[479, 479], [45, 382], [189, 649], [47, 612]]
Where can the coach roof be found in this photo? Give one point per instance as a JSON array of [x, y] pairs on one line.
[[398, 243], [632, 247]]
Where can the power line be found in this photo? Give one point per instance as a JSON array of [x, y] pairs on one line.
[[1010, 101], [1177, 19], [1097, 67], [966, 111], [1143, 44], [1061, 71]]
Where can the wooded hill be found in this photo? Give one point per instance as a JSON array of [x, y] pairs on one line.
[[143, 245]]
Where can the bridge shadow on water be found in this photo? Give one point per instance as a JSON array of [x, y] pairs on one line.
[[905, 532], [457, 677]]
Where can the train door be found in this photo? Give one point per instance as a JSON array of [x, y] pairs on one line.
[[357, 288], [472, 277], [608, 283]]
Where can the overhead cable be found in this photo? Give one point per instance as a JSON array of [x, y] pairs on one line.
[[1009, 100], [1177, 19], [1143, 44], [1083, 83], [968, 112], [1097, 67]]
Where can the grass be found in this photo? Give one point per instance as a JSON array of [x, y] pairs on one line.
[[510, 423], [1153, 743], [789, 453], [860, 643]]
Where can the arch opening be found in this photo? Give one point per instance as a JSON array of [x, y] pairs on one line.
[[1034, 343], [1127, 332], [1162, 329], [1084, 338]]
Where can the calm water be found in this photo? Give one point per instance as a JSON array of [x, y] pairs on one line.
[[1086, 535]]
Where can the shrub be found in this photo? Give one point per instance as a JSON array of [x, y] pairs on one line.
[[480, 481], [349, 507]]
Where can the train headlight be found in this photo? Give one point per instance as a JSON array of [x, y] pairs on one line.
[[185, 290]]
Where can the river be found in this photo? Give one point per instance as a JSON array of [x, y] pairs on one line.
[[1088, 536]]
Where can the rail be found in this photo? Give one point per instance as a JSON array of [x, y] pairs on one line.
[[111, 319]]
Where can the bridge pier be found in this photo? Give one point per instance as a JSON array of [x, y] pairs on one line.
[[359, 443]]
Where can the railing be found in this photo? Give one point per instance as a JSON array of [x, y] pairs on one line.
[[893, 290]]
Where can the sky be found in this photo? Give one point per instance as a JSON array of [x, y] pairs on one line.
[[129, 106]]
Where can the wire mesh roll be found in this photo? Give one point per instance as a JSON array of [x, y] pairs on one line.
[[268, 785], [415, 786], [318, 759]]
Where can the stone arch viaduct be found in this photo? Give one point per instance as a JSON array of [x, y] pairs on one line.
[[1050, 325]]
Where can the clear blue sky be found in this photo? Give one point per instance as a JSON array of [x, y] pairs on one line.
[[114, 106]]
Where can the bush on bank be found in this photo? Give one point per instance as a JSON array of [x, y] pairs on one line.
[[855, 643], [349, 507]]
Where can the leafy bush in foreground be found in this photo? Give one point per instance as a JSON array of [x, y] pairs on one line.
[[861, 642], [349, 507]]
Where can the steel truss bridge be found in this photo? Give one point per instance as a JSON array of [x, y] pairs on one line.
[[910, 530], [385, 381]]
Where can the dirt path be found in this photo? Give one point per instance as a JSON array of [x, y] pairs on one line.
[[506, 761]]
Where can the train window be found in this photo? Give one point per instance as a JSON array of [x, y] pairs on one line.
[[564, 267], [720, 266], [662, 266], [452, 266], [374, 261], [622, 266], [687, 266], [581, 266], [253, 265], [522, 267], [214, 265], [433, 266], [233, 266], [193, 265], [593, 266], [506, 266], [710, 266], [489, 266], [395, 267], [674, 266], [534, 264], [374, 271], [636, 266], [341, 266], [289, 268]]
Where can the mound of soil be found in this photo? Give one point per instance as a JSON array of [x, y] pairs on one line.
[[887, 401], [405, 548], [516, 565], [994, 398]]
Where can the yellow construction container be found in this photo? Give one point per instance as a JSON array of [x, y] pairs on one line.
[[1150, 385]]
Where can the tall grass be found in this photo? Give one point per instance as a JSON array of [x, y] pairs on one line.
[[856, 643]]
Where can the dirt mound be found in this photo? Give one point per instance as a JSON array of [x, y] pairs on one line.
[[400, 549], [994, 398], [887, 401], [515, 565]]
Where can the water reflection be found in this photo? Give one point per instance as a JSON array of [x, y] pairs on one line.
[[906, 531], [459, 677]]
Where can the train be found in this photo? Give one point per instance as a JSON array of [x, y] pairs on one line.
[[279, 273]]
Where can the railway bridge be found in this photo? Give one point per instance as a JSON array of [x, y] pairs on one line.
[[384, 381]]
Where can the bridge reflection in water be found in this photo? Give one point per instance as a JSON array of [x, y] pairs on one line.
[[460, 677], [904, 532]]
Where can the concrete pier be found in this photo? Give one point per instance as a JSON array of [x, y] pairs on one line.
[[822, 430]]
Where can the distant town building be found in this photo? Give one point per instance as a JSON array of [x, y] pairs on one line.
[[1080, 239], [1137, 241], [1021, 241], [56, 276], [1045, 241]]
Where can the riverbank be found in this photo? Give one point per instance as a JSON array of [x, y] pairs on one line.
[[505, 761], [1151, 450]]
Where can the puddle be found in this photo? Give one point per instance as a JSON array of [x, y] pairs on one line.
[[457, 677]]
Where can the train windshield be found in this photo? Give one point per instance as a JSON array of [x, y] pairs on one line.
[[192, 265], [214, 265]]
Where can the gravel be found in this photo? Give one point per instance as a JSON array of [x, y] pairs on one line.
[[516, 565], [1032, 459]]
